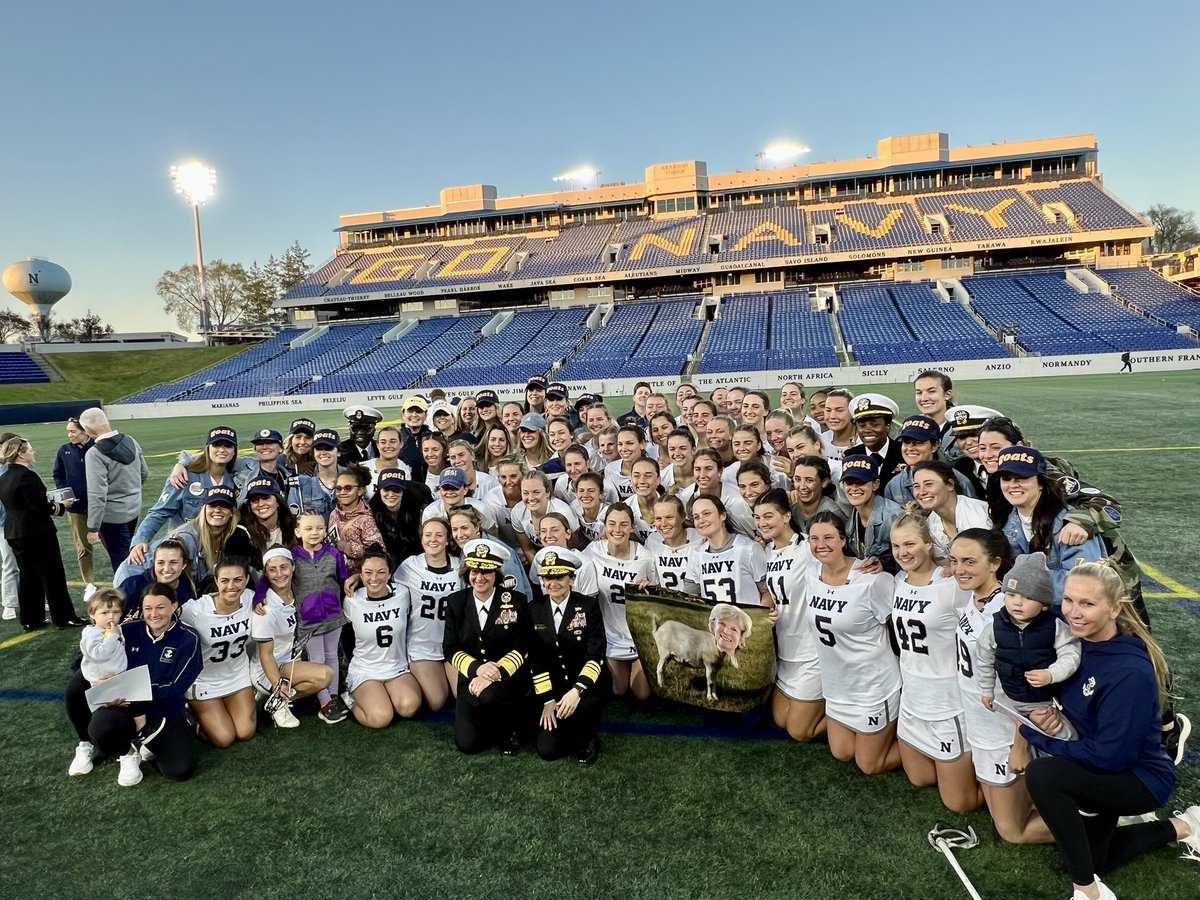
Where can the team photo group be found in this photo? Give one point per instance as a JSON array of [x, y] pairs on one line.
[[942, 597]]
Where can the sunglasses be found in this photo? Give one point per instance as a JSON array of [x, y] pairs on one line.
[[345, 488], [996, 421]]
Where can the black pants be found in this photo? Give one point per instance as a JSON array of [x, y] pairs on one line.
[[572, 732], [483, 722], [116, 538], [111, 731], [1094, 845], [43, 581]]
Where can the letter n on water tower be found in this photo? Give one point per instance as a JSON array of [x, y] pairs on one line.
[[33, 277]]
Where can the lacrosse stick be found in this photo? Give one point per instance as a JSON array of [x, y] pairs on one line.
[[282, 695], [947, 840]]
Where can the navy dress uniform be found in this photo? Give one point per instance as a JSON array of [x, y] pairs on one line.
[[360, 446], [866, 408], [568, 655], [483, 632], [967, 422]]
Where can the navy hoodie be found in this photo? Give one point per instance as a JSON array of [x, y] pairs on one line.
[[1113, 702], [174, 661]]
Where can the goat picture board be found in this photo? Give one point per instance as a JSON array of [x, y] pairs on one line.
[[716, 656]]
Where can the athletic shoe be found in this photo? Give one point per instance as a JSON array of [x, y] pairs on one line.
[[1175, 740], [1105, 892], [85, 756], [589, 753], [511, 745], [1191, 843], [333, 712], [131, 770], [348, 699], [10, 612], [144, 737], [283, 717]]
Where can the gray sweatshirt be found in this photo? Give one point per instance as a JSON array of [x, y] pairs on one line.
[[115, 475]]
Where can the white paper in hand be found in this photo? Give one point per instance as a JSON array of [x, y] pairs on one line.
[[132, 685], [1003, 707]]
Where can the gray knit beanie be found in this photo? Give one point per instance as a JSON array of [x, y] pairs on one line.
[[1030, 578]]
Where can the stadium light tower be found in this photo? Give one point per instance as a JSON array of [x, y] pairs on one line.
[[779, 153], [580, 176], [196, 183]]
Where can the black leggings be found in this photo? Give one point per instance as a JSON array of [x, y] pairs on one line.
[[1093, 845], [111, 731]]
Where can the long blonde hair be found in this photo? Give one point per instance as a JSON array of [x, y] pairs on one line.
[[1128, 621]]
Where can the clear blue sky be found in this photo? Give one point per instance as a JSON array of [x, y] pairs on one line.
[[310, 110]]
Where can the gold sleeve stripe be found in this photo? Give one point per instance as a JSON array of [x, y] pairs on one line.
[[542, 683], [463, 661], [512, 661], [591, 672]]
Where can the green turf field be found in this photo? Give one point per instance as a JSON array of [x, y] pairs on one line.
[[671, 810]]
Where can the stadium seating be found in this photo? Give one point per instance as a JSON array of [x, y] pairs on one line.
[[1054, 318], [646, 242], [19, 368], [983, 215], [870, 226], [639, 339], [1150, 292], [672, 335], [572, 251], [530, 344], [1094, 207]]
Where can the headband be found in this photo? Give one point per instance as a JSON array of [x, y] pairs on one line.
[[276, 552]]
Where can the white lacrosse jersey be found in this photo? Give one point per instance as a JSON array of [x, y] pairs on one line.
[[924, 620], [850, 622], [985, 730], [670, 563], [613, 577], [380, 634], [277, 624], [731, 575], [787, 569], [523, 523], [428, 589], [614, 481], [225, 644]]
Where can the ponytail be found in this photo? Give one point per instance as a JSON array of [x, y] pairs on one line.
[[1108, 576]]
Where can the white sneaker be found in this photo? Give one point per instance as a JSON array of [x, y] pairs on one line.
[[1191, 843], [131, 770], [285, 718], [10, 612], [348, 699], [85, 755], [1105, 892]]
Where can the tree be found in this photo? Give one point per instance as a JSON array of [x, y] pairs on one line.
[[291, 268], [226, 287], [1174, 229], [83, 330], [13, 325]]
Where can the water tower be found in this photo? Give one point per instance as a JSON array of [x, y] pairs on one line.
[[39, 284]]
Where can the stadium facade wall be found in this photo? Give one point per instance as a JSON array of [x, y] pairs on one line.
[[960, 370]]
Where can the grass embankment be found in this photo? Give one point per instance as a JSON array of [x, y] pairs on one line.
[[115, 375]]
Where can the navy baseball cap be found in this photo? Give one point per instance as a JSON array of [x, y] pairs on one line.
[[586, 400], [487, 397], [267, 436], [453, 477], [222, 433], [391, 478], [219, 493], [1023, 462], [557, 389], [326, 437], [536, 382], [262, 487], [860, 468], [303, 426], [921, 428]]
